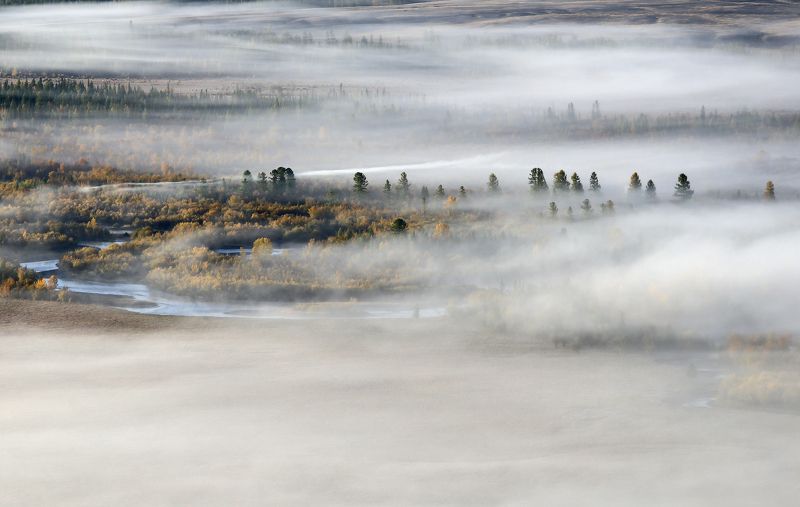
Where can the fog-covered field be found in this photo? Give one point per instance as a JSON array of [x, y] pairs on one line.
[[440, 336]]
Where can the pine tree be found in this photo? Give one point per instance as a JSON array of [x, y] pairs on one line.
[[423, 194], [403, 186], [462, 192], [683, 189], [493, 184], [586, 206], [262, 182], [360, 183], [553, 208], [594, 183], [387, 188], [440, 192], [247, 181], [537, 181], [769, 191], [289, 176], [635, 184], [650, 189], [577, 186], [560, 183]]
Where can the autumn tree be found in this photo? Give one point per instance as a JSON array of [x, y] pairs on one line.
[[769, 191], [262, 247], [560, 183], [635, 184]]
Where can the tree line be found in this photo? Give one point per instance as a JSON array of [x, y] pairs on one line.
[[48, 96]]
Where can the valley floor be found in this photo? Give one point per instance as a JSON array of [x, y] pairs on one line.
[[101, 407]]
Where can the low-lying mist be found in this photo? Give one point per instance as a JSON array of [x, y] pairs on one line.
[[392, 87]]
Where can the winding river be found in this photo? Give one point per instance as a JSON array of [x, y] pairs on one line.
[[144, 300]]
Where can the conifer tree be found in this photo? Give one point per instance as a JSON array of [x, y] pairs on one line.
[[650, 190], [387, 188], [440, 192], [493, 184], [424, 194], [576, 186], [403, 186], [683, 189], [537, 181], [553, 208], [769, 191], [247, 183], [560, 183], [635, 184], [360, 183], [594, 183], [586, 206]]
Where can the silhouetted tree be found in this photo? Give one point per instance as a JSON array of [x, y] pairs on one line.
[[537, 181], [586, 206], [769, 191], [387, 188], [594, 183], [247, 183], [650, 190], [462, 192], [424, 194], [683, 189], [576, 186], [263, 185], [360, 183], [440, 192], [403, 186], [635, 184], [560, 183], [493, 184], [289, 177], [553, 208]]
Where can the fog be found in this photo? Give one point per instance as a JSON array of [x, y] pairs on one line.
[[423, 88], [500, 352], [299, 414]]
